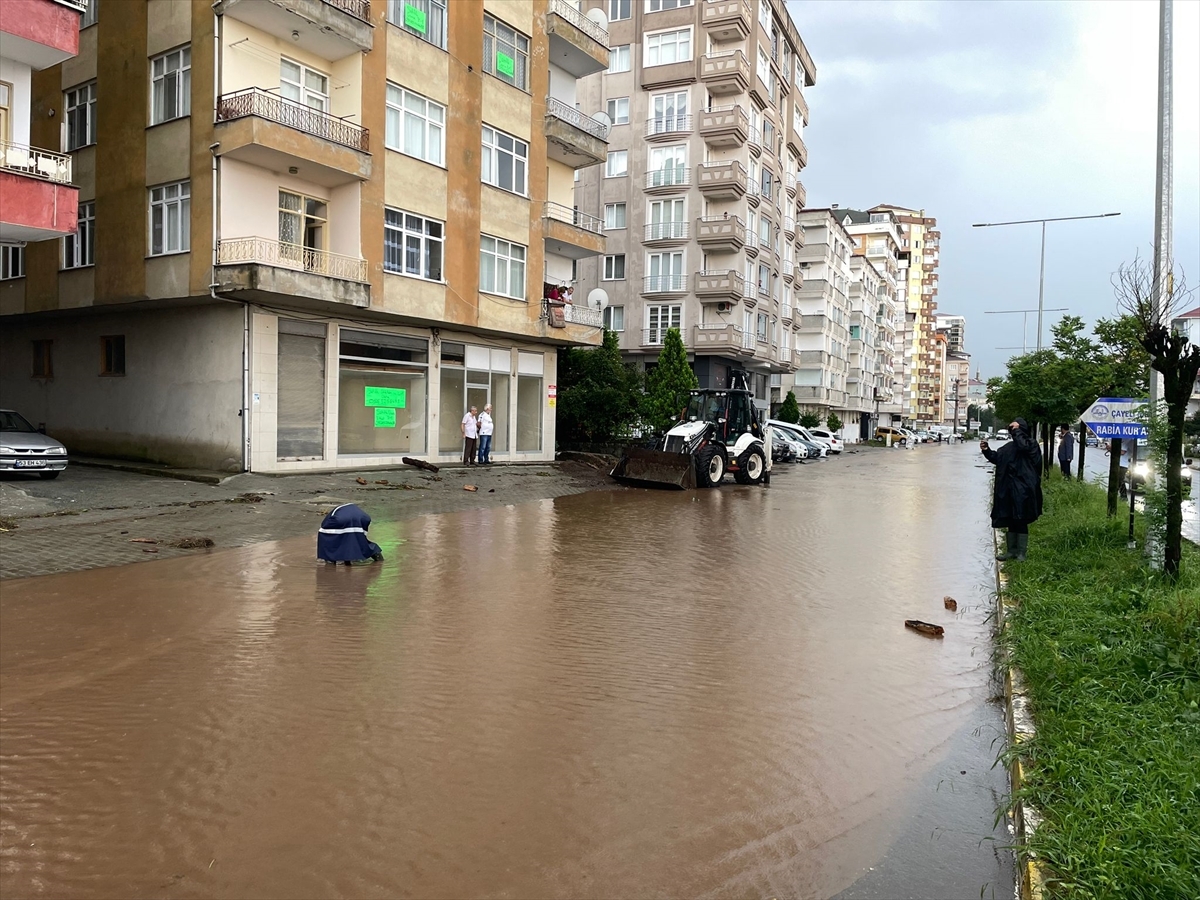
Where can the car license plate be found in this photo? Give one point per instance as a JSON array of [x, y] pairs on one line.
[[31, 463]]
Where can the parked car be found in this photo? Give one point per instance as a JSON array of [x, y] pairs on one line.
[[924, 437], [25, 449], [898, 435], [794, 432], [824, 434], [782, 450]]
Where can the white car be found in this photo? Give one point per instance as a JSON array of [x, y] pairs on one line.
[[794, 431], [824, 434]]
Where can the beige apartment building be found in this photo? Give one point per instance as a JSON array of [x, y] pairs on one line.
[[700, 191], [310, 233]]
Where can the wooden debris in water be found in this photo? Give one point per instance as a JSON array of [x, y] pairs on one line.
[[143, 540], [192, 543], [950, 603], [361, 480], [470, 487], [418, 463], [924, 627]]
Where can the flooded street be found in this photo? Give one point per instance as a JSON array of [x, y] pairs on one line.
[[612, 694]]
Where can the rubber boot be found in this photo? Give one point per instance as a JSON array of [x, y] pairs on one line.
[[1010, 546], [1022, 546]]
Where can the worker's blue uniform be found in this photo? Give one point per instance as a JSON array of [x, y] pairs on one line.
[[342, 536]]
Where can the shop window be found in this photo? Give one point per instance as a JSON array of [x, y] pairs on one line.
[[530, 402], [473, 376], [382, 393], [300, 423]]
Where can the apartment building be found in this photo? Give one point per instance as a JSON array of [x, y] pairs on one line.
[[311, 232], [38, 197], [955, 328], [956, 376], [700, 191]]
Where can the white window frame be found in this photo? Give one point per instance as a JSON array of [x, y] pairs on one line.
[[653, 6], [12, 262], [614, 110], [652, 44], [163, 198], [620, 59], [614, 318], [610, 267], [79, 248], [661, 318], [763, 64], [613, 212], [305, 93], [405, 235], [505, 257], [503, 38], [171, 85], [614, 155], [496, 158], [403, 107], [615, 7], [80, 103], [435, 13]]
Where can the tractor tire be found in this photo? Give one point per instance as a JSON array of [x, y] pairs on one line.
[[710, 467], [752, 466]]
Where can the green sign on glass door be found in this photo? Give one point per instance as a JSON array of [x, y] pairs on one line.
[[384, 396]]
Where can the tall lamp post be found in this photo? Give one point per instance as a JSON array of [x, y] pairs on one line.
[[1042, 270], [955, 383]]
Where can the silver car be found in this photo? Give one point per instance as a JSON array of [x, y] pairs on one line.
[[25, 449]]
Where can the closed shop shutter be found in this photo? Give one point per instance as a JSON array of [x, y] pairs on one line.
[[300, 432]]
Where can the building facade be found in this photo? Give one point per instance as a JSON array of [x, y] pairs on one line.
[[322, 229], [956, 388], [955, 329], [700, 190]]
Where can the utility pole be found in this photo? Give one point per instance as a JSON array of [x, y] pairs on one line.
[[955, 430], [1163, 185]]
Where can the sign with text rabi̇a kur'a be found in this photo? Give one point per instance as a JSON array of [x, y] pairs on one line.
[[1116, 417]]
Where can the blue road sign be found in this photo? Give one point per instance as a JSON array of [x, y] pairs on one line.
[[1116, 417]]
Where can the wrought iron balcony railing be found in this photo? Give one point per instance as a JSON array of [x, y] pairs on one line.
[[34, 162], [572, 116], [257, 102], [360, 9], [572, 216], [268, 252]]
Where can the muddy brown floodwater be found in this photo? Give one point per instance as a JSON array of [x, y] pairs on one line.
[[614, 694]]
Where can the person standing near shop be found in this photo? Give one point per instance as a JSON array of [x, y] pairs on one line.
[[1066, 450], [1017, 495], [470, 431], [486, 427]]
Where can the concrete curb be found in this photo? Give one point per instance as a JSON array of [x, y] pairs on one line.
[[1032, 871], [199, 475]]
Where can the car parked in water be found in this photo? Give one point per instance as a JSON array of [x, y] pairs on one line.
[[24, 448], [898, 435], [824, 434], [816, 449]]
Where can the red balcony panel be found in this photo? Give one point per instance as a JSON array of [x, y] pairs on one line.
[[40, 33], [34, 209]]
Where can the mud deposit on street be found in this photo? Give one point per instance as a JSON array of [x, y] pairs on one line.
[[611, 694]]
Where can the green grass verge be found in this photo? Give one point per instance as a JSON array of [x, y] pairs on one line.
[[1111, 655]]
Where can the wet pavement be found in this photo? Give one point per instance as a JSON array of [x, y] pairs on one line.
[[610, 694]]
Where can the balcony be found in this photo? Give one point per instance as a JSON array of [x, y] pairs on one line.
[[39, 34], [722, 180], [572, 138], [665, 285], [798, 147], [789, 270], [810, 359], [727, 20], [721, 234], [815, 324], [811, 393], [725, 126], [669, 74], [330, 29], [669, 180], [571, 233], [559, 315], [665, 128], [753, 192], [577, 44], [789, 184], [718, 337], [754, 141], [725, 73], [39, 202], [264, 268], [801, 196], [719, 286], [275, 133], [802, 105], [654, 337], [789, 226], [663, 234]]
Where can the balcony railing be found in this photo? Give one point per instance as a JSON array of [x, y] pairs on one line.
[[35, 163], [664, 284], [668, 125], [360, 9], [574, 314], [77, 5], [654, 337], [257, 102], [572, 116], [579, 20], [676, 175], [666, 231], [571, 216], [268, 252]]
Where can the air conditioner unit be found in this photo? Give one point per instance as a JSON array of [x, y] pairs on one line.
[[724, 307]]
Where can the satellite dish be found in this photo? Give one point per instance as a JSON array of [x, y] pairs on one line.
[[597, 298], [604, 119], [598, 16]]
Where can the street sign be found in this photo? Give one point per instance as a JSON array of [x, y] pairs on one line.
[[1115, 417]]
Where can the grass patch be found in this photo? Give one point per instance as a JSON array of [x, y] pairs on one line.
[[1111, 655]]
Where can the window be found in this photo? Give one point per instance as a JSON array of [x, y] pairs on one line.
[[505, 52], [764, 232], [660, 5], [89, 15], [412, 245], [171, 85], [669, 112], [764, 63], [303, 85], [764, 16], [618, 111], [501, 267], [43, 359], [666, 47], [768, 183], [81, 116], [667, 219], [424, 18], [170, 218], [879, 217], [618, 163], [660, 319], [382, 393], [668, 165], [768, 133], [614, 267], [303, 225], [12, 262], [614, 215], [619, 9], [664, 272], [79, 249], [614, 318], [415, 125], [764, 280], [761, 328], [112, 355], [505, 161], [618, 59]]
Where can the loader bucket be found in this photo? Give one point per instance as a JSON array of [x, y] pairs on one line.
[[655, 468]]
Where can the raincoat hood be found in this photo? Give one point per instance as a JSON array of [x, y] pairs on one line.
[[1024, 427]]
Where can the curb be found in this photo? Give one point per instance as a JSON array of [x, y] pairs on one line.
[[1033, 873], [198, 475]]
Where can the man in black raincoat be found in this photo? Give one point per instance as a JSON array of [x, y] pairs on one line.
[[1017, 497]]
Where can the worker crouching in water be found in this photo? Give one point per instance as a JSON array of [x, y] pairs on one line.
[[1017, 496], [342, 537]]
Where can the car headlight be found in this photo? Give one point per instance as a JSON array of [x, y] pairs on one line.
[[1141, 469], [7, 450]]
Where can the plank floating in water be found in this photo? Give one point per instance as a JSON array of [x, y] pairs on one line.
[[924, 627]]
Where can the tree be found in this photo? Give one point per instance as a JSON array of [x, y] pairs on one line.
[[1152, 304], [599, 395], [667, 386], [810, 420], [833, 423], [788, 410], [1128, 375], [1080, 369], [1034, 391]]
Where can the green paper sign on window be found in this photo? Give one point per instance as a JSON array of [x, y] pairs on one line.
[[385, 417], [505, 65], [383, 396], [414, 18]]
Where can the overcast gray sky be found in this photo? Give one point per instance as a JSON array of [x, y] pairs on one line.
[[990, 111]]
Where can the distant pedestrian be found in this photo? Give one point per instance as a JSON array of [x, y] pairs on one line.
[[1066, 450], [470, 432], [1017, 495], [486, 427]]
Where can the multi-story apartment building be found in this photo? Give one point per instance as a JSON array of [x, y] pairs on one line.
[[38, 197], [955, 328], [701, 188], [311, 232], [956, 375]]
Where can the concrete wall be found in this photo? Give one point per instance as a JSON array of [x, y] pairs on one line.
[[178, 401]]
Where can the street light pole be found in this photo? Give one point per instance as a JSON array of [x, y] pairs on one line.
[[1041, 286], [1024, 321]]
